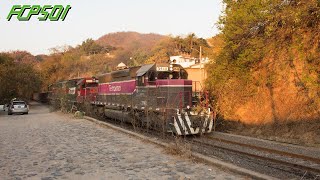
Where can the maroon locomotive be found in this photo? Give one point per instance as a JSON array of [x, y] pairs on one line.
[[152, 95], [87, 89]]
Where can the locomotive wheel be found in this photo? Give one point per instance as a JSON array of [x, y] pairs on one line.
[[87, 108], [98, 111]]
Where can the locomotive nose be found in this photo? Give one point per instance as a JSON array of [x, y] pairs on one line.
[[190, 122]]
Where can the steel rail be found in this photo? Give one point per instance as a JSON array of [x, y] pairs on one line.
[[294, 155], [293, 165]]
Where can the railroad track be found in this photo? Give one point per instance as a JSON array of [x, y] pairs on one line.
[[264, 160], [299, 165]]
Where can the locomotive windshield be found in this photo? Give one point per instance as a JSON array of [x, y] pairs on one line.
[[91, 85], [181, 74], [160, 71]]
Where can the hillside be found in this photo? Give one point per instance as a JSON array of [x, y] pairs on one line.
[[132, 48], [94, 57], [130, 40]]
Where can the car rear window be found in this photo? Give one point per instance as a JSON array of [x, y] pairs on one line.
[[19, 103]]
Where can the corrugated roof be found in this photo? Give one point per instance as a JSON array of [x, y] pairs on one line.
[[122, 65], [144, 69], [80, 81]]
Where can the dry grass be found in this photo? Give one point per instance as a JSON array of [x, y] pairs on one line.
[[180, 147]]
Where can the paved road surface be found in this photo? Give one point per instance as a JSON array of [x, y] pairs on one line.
[[44, 145]]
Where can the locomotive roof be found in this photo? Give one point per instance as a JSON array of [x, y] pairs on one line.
[[132, 72], [144, 69], [119, 75]]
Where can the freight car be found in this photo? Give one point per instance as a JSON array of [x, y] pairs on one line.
[[63, 93], [157, 96]]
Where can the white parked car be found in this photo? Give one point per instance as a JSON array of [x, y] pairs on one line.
[[18, 107]]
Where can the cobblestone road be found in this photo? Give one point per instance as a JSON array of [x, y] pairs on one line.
[[45, 145]]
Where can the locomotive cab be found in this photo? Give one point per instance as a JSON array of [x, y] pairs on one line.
[[163, 86], [87, 89], [171, 71]]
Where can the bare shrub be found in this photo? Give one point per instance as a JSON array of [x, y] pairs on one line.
[[180, 147], [79, 114]]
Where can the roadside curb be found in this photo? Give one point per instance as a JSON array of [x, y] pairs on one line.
[[197, 156]]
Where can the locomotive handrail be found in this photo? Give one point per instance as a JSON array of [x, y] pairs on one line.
[[178, 100]]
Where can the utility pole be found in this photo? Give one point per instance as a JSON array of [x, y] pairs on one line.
[[200, 53], [200, 58]]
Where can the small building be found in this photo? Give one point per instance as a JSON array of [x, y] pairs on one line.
[[198, 75], [184, 60], [121, 66]]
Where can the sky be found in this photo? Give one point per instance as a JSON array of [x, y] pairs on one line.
[[95, 18]]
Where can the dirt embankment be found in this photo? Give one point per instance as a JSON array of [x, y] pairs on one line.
[[285, 102], [284, 92]]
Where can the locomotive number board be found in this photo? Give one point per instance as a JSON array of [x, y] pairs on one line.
[[162, 69]]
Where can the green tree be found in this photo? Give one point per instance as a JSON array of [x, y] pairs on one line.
[[17, 80], [171, 46], [89, 46]]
